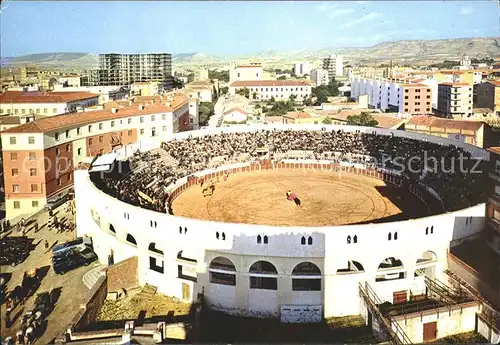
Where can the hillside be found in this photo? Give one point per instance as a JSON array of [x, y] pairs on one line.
[[412, 51]]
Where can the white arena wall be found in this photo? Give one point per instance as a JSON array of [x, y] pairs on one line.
[[329, 250]]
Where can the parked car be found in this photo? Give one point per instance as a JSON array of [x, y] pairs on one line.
[[72, 259], [80, 244], [57, 201]]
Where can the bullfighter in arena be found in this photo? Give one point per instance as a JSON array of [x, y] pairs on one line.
[[293, 197]]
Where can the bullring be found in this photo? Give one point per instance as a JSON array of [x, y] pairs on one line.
[[276, 271]]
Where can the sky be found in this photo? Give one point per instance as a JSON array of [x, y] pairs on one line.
[[233, 27]]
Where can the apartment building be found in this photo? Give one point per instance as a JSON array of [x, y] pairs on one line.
[[125, 69], [493, 205], [45, 103], [319, 76], [302, 68], [405, 96], [455, 100], [39, 156], [334, 64], [251, 71], [488, 96], [279, 89]]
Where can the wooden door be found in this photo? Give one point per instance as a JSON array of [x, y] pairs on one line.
[[399, 297], [430, 331]]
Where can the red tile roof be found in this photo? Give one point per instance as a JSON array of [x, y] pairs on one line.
[[455, 84], [254, 83], [250, 66], [235, 109], [44, 97], [414, 85], [494, 149], [297, 115], [438, 122], [52, 123]]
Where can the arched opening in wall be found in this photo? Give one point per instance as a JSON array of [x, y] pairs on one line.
[[390, 268], [131, 239], [426, 264], [182, 256], [222, 271], [306, 276], [152, 247], [351, 267], [112, 228], [263, 275]]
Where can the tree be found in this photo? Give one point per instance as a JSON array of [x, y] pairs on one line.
[[327, 121], [205, 111], [321, 96], [283, 77], [363, 119], [244, 92], [254, 95], [223, 75], [224, 90]]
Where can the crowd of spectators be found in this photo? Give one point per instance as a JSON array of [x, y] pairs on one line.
[[446, 169]]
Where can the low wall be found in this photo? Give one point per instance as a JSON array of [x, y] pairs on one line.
[[97, 297], [123, 275], [474, 278], [488, 331]]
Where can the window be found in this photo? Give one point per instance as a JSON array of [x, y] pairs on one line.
[[112, 123], [306, 276], [153, 117], [78, 131], [38, 111], [31, 140], [154, 266], [101, 138], [58, 151], [261, 268], [56, 136], [31, 111], [79, 151], [12, 140], [406, 103], [68, 134], [32, 156], [164, 128], [222, 271], [131, 239], [23, 111], [15, 188], [129, 133], [163, 117], [141, 119], [17, 204], [259, 239], [90, 141], [13, 156], [142, 130], [33, 172], [34, 203], [16, 111], [45, 110], [15, 172], [34, 188], [54, 110], [100, 126]]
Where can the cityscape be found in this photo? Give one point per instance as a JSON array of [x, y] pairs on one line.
[[237, 171]]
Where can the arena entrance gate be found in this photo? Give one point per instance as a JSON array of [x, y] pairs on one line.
[[301, 313]]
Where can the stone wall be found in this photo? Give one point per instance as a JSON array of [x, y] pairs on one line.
[[97, 296], [123, 275]]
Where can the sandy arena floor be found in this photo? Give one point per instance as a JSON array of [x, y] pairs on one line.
[[327, 199]]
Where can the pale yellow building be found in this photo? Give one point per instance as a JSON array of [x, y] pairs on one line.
[[455, 100]]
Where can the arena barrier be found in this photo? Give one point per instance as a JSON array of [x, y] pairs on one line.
[[419, 190]]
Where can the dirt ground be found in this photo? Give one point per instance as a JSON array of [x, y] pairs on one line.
[[327, 198], [135, 303]]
